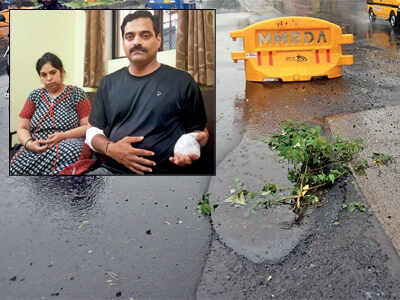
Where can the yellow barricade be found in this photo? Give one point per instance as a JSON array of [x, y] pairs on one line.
[[292, 49]]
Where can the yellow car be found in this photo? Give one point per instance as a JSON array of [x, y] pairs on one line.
[[6, 15], [4, 26], [385, 9], [5, 23]]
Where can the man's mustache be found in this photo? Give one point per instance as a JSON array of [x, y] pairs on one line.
[[137, 48]]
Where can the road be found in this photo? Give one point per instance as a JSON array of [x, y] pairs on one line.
[[354, 259], [99, 238]]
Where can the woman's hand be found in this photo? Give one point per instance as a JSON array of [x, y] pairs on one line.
[[37, 146], [54, 139]]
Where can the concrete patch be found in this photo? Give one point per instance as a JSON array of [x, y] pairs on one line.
[[380, 130], [263, 235]]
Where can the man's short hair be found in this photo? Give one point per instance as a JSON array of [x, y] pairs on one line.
[[141, 14]]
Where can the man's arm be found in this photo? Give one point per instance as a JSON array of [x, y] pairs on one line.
[[193, 119], [123, 152]]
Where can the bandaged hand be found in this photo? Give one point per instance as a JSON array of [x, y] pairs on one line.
[[186, 150]]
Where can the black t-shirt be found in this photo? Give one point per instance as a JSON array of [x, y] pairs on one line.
[[160, 107]]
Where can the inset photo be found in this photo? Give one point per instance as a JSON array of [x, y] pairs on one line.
[[112, 92]]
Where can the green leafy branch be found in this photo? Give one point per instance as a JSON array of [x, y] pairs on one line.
[[352, 206], [315, 161], [204, 207], [379, 159]]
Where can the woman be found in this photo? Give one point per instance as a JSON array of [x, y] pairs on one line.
[[52, 126]]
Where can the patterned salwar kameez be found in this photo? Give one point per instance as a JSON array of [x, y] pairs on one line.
[[48, 115]]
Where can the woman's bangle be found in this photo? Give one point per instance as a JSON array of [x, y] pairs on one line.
[[30, 139]]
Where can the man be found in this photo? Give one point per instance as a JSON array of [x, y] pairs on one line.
[[52, 4], [144, 109], [3, 5]]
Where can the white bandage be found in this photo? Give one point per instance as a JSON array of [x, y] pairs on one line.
[[90, 133], [187, 144]]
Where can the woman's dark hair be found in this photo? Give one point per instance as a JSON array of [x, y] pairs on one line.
[[49, 58], [141, 14]]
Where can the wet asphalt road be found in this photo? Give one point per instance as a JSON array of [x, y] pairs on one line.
[[345, 254], [64, 238], [101, 238]]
